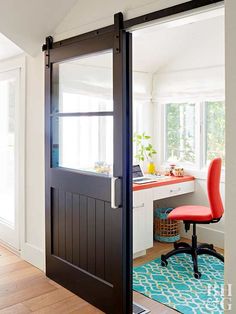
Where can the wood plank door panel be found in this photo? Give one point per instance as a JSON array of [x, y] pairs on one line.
[[88, 143]]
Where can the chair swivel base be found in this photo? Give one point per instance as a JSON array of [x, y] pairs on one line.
[[194, 250]]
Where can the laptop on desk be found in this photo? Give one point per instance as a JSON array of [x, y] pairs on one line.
[[138, 176]]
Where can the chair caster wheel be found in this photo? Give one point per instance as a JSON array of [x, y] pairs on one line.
[[197, 275], [164, 263]]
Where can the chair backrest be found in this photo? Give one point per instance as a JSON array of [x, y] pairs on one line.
[[213, 188]]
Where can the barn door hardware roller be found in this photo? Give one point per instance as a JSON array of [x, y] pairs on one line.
[[118, 27], [46, 47]]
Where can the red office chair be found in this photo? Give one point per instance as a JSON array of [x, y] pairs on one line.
[[199, 215]]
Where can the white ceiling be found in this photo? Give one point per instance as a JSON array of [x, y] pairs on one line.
[[197, 43], [7, 48], [28, 22]]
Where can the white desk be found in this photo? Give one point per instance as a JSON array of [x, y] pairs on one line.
[[143, 197]]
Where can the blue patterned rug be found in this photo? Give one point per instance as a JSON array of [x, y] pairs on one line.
[[176, 287]]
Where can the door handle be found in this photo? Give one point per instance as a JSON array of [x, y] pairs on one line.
[[114, 180]]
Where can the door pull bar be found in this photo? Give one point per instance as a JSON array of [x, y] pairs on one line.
[[114, 180]]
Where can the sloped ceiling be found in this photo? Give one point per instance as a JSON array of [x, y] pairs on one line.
[[194, 45], [28, 22], [7, 48], [166, 47]]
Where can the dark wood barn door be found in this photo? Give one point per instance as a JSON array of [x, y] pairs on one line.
[[88, 168]]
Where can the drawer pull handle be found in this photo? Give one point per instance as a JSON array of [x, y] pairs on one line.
[[138, 206], [176, 190]]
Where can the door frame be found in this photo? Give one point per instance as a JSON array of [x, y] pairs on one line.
[[125, 25], [18, 64]]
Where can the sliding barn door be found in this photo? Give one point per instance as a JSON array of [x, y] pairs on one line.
[[88, 169]]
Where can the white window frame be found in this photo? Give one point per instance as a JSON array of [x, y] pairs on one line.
[[197, 133], [199, 170]]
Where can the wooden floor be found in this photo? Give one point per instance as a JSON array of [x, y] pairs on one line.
[[25, 289]]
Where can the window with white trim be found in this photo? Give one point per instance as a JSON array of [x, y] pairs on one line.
[[194, 133], [214, 130]]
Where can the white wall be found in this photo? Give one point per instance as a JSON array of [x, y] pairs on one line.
[[33, 233], [230, 217], [142, 107]]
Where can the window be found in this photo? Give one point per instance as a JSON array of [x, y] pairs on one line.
[[194, 134], [215, 130], [82, 110], [180, 133], [76, 132]]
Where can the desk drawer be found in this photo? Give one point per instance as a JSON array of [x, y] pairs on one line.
[[172, 190]]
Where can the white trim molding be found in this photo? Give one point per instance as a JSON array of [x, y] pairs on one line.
[[33, 255]]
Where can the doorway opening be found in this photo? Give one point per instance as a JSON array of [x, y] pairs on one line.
[[11, 129], [178, 122]]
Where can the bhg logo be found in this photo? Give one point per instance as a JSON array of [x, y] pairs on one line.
[[219, 294]]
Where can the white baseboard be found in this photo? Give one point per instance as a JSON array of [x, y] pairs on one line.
[[205, 235], [139, 254], [33, 255], [10, 248]]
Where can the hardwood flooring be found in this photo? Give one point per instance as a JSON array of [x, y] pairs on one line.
[[158, 249], [25, 289]]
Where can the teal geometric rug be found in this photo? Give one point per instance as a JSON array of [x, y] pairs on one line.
[[176, 287]]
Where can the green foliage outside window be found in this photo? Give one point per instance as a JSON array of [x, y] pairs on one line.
[[215, 130], [180, 133], [181, 137]]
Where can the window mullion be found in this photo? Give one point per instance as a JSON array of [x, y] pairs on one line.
[[197, 134], [164, 130], [203, 135]]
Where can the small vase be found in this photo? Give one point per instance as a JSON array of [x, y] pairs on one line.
[[151, 169]]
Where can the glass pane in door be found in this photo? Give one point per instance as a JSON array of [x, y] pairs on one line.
[[7, 150], [84, 84], [85, 143], [82, 113]]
